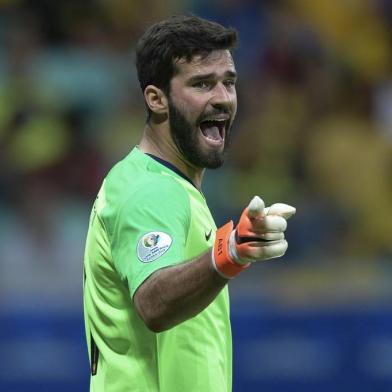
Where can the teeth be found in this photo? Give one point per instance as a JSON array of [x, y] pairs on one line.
[[214, 119]]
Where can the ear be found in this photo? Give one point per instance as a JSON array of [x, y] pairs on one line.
[[156, 99]]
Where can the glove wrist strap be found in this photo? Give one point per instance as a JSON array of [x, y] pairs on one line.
[[221, 257]]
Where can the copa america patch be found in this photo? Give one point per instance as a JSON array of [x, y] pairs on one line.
[[153, 245]]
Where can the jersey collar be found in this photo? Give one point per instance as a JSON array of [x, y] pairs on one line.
[[171, 167]]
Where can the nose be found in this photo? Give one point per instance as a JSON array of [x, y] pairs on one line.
[[222, 98]]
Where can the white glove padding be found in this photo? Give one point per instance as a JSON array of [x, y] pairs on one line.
[[260, 233]]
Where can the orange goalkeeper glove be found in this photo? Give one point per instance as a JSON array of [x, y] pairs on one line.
[[258, 236]]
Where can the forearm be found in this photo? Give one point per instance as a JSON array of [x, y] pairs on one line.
[[174, 294]]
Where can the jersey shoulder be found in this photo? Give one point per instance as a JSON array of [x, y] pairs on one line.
[[140, 177], [138, 186]]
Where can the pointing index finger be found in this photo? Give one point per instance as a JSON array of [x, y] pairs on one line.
[[281, 209]]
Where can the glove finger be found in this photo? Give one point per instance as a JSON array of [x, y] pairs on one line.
[[261, 244], [263, 225], [281, 209], [274, 223], [272, 236], [276, 249]]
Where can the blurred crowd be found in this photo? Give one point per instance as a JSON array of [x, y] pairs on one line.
[[314, 127]]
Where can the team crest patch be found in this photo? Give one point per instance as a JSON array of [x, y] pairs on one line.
[[152, 246]]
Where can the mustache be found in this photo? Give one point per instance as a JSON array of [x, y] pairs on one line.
[[215, 112]]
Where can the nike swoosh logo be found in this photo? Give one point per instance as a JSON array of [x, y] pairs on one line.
[[208, 235]]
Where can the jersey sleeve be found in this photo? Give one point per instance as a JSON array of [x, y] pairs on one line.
[[151, 231]]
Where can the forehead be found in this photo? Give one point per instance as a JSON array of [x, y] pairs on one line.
[[217, 62]]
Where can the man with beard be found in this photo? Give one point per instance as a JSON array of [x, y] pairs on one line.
[[156, 269]]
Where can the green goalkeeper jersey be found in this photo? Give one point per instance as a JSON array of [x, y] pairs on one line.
[[148, 216]]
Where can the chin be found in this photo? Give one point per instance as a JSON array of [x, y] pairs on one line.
[[213, 160]]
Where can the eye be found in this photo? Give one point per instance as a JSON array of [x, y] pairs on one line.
[[229, 83], [203, 85]]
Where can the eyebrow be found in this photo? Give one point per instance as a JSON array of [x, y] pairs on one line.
[[212, 75]]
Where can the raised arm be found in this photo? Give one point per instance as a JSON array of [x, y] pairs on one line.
[[174, 294]]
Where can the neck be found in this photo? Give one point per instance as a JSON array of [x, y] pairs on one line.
[[157, 140]]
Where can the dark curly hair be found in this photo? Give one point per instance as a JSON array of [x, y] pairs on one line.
[[178, 37]]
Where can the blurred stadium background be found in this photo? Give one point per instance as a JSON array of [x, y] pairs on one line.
[[314, 129]]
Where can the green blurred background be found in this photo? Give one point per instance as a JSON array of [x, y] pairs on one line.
[[314, 129]]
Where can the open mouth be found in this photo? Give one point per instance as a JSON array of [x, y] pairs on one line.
[[214, 131]]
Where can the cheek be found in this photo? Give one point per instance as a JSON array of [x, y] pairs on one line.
[[192, 100], [235, 101], [234, 105], [190, 106]]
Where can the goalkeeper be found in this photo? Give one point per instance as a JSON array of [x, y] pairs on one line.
[[156, 268]]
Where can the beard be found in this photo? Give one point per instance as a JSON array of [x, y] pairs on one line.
[[187, 139]]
